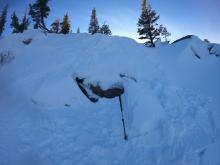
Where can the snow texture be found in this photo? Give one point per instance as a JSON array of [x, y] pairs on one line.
[[171, 102]]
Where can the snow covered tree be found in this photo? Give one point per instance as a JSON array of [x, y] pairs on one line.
[[39, 11], [78, 30], [94, 25], [65, 25], [147, 25], [105, 29], [55, 26], [19, 27], [164, 32], [3, 16]]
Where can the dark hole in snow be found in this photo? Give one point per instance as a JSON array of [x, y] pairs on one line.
[[27, 41], [202, 152], [67, 105], [34, 101]]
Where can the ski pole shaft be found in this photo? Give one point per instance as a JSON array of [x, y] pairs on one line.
[[122, 119]]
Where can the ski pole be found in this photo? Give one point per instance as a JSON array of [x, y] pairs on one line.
[[122, 119]]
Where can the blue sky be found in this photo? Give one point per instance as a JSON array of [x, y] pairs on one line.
[[199, 17]]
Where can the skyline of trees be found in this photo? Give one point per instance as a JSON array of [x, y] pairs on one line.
[[40, 10]]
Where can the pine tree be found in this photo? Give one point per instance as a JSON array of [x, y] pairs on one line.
[[164, 32], [15, 23], [39, 11], [3, 17], [147, 25], [78, 29], [94, 25], [19, 27], [65, 25], [105, 29], [55, 26], [25, 23], [35, 16]]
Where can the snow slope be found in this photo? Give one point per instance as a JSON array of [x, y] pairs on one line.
[[172, 111]]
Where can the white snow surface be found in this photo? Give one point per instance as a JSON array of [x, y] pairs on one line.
[[172, 112]]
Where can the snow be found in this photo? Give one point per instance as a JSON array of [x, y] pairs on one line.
[[215, 49], [172, 111], [185, 69]]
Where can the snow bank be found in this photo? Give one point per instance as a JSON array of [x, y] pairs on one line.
[[171, 102], [214, 49], [189, 64]]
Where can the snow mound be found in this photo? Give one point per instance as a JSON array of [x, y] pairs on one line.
[[193, 46], [171, 101], [214, 49], [189, 64]]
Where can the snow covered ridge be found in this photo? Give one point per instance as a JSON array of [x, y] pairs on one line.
[[171, 101], [199, 48]]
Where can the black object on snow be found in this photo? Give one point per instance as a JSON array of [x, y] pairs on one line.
[[98, 92], [122, 119], [82, 87]]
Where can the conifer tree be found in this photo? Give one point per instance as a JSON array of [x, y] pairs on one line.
[[94, 25], [15, 23], [78, 29], [148, 28], [164, 32], [19, 27], [105, 29], [55, 26], [65, 25], [3, 17], [35, 16], [39, 11], [24, 23]]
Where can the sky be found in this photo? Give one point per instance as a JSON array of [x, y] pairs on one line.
[[181, 17]]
